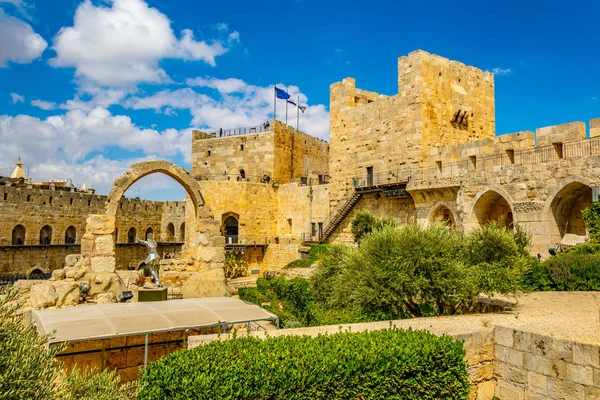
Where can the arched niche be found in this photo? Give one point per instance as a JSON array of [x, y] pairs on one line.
[[492, 204]]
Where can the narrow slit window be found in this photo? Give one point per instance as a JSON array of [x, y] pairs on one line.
[[473, 160]]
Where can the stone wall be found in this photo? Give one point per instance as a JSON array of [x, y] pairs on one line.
[[35, 208], [439, 103], [401, 209], [16, 260], [536, 367], [282, 153]]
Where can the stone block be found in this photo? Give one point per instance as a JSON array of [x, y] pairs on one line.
[[106, 298], [507, 391], [561, 350], [67, 293], [482, 372], [515, 357], [98, 224], [43, 295], [538, 364], [517, 375], [103, 264], [580, 374], [58, 274], [586, 354], [71, 260], [206, 284], [522, 340], [537, 382], [104, 245], [559, 389], [87, 244], [504, 336], [486, 390], [594, 128], [592, 393]]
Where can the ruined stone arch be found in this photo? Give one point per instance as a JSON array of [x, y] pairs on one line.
[[562, 211], [139, 170], [491, 204], [182, 232], [444, 213]]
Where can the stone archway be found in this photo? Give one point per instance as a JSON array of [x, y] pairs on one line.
[[562, 212], [443, 214], [203, 244], [491, 204]]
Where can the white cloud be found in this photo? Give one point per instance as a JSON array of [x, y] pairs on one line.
[[20, 5], [123, 43], [17, 98], [230, 85], [72, 139], [500, 71], [44, 105], [19, 43], [239, 105]]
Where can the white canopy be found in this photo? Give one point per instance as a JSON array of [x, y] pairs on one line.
[[101, 321]]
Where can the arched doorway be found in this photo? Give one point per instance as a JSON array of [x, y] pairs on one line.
[[491, 206], [564, 213], [170, 232], [70, 235], [182, 232], [195, 209], [149, 230], [131, 234], [46, 235], [18, 235], [443, 215], [230, 228]]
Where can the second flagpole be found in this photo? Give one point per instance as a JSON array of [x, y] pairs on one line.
[[275, 101]]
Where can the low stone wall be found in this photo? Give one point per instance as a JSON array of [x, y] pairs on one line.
[[536, 367], [15, 260]]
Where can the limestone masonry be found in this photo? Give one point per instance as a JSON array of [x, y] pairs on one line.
[[426, 154]]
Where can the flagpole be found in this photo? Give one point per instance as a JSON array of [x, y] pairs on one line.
[[286, 103], [298, 114], [275, 101]]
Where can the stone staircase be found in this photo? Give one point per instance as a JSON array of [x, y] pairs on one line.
[[339, 216]]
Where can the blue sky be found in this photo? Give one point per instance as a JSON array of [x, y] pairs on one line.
[[88, 87]]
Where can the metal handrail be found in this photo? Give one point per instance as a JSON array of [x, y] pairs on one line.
[[246, 130]]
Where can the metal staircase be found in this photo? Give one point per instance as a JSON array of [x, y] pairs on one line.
[[339, 216]]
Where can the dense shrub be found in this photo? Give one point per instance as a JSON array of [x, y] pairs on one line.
[[591, 217], [365, 222], [375, 365], [584, 248], [414, 271], [234, 266], [569, 271], [29, 371], [293, 302], [314, 254]]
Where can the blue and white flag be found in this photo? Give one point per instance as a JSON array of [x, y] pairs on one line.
[[291, 102], [281, 94], [302, 108]]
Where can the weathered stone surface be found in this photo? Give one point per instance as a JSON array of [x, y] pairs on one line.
[[106, 298], [206, 284], [43, 295], [67, 293], [71, 260], [103, 264], [58, 274], [104, 245], [99, 224]]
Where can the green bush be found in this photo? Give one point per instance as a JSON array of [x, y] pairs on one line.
[[569, 271], [591, 217], [314, 254], [412, 271], [29, 371], [375, 365], [365, 222], [584, 248], [251, 295]]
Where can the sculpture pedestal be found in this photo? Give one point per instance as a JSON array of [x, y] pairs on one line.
[[158, 294]]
